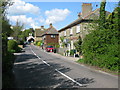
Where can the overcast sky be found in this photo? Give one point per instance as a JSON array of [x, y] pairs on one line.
[[34, 14]]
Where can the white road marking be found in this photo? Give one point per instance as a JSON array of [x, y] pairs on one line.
[[59, 71], [69, 77], [39, 57]]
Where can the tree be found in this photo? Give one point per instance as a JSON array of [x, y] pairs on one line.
[[100, 47], [102, 14], [17, 30]]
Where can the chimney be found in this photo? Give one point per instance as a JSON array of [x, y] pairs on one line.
[[51, 25], [86, 9], [79, 15], [42, 26]]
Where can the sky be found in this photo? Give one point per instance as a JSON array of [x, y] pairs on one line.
[[39, 13]]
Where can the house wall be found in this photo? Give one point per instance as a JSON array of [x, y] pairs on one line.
[[38, 38], [72, 38], [48, 39]]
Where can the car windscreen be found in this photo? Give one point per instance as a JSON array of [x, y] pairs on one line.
[[49, 46]]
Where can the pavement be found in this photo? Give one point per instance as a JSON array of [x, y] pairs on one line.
[[36, 68]]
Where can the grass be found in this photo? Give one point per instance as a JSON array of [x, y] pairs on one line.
[[81, 61]]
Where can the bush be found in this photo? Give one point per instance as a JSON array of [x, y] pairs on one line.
[[7, 74], [7, 62], [13, 46], [72, 52], [100, 48], [38, 43]]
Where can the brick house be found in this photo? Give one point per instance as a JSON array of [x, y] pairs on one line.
[[79, 27], [50, 36]]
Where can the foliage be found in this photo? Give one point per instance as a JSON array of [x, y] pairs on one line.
[[62, 41], [13, 46], [39, 43], [72, 52], [80, 61], [100, 47], [17, 30], [102, 14], [7, 57], [78, 44], [7, 62], [56, 45]]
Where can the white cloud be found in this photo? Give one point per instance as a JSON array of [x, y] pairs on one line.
[[27, 21], [56, 15], [20, 7]]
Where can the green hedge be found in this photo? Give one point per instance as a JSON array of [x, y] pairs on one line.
[[13, 46], [100, 48]]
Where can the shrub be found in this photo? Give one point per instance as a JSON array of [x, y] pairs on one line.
[[72, 52], [100, 48], [38, 43], [7, 61], [13, 46]]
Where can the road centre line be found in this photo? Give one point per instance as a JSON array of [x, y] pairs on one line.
[[59, 71]]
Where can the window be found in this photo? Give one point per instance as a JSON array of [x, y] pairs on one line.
[[71, 31], [52, 36], [64, 33], [78, 28]]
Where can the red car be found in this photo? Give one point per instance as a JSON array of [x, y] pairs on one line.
[[50, 48]]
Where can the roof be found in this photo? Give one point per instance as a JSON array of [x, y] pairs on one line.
[[94, 15], [51, 30], [39, 32]]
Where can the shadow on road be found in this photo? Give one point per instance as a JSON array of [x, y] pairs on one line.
[[36, 74], [24, 57]]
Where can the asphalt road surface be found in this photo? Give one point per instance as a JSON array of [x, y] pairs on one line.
[[36, 68]]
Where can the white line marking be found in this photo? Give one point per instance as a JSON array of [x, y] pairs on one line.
[[39, 57], [59, 71], [45, 62], [69, 77]]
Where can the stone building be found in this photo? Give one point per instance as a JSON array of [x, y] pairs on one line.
[[78, 28]]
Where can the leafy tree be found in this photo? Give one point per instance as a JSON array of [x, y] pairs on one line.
[[100, 47], [17, 30], [7, 57], [102, 14]]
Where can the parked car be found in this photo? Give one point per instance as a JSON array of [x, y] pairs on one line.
[[50, 48]]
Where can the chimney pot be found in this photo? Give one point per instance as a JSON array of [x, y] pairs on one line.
[[86, 9], [50, 24]]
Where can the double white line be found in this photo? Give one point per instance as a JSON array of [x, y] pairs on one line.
[[58, 70]]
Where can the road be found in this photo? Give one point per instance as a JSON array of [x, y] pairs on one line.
[[36, 68]]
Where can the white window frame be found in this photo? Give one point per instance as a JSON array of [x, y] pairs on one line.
[[52, 36], [78, 28], [71, 31]]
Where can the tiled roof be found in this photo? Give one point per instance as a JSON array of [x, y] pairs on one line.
[[39, 32], [94, 15], [51, 30]]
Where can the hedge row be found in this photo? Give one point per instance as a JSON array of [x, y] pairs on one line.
[[100, 48]]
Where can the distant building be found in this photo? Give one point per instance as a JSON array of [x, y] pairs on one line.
[[39, 32], [50, 36], [30, 38]]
